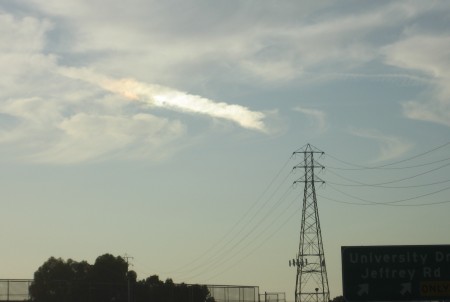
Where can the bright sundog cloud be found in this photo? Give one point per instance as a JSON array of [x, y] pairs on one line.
[[169, 98]]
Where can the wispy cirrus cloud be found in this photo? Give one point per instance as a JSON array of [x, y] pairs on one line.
[[243, 49], [429, 55], [318, 116], [390, 147], [92, 137], [55, 131]]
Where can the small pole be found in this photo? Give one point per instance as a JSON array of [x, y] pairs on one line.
[[126, 257]]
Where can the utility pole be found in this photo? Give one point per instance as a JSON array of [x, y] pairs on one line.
[[311, 283], [127, 258]]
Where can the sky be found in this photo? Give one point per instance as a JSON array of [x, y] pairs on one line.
[[164, 130]]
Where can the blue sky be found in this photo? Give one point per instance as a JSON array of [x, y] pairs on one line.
[[158, 129]]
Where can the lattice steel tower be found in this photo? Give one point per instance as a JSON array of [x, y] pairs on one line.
[[312, 282]]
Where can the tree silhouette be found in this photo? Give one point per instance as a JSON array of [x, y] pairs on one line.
[[107, 280], [60, 281], [338, 299]]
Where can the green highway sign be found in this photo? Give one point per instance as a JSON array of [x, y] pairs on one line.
[[396, 273]]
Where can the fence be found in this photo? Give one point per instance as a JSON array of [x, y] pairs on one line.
[[272, 297], [234, 293], [14, 289]]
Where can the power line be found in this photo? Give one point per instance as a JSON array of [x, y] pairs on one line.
[[395, 201], [227, 254], [256, 236], [362, 167], [224, 244], [384, 204], [390, 168], [391, 181], [293, 214], [391, 187], [231, 252]]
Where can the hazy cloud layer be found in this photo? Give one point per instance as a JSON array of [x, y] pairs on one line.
[[53, 117], [48, 118], [72, 65]]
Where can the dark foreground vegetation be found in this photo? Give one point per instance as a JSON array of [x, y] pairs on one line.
[[107, 280]]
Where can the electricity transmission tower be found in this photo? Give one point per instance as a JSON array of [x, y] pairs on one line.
[[312, 282]]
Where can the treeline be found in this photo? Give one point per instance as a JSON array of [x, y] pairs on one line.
[[107, 280]]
